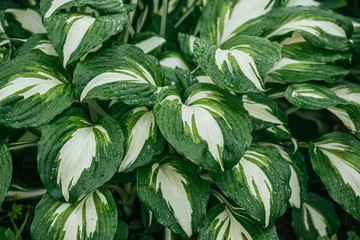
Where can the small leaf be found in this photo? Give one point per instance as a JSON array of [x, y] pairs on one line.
[[76, 156], [5, 45], [148, 41], [347, 91], [5, 171], [93, 216], [259, 183], [37, 41], [144, 139], [349, 114], [223, 222], [122, 73], [6, 234], [316, 218], [34, 88], [211, 127], [240, 64], [335, 157], [311, 96], [174, 192]]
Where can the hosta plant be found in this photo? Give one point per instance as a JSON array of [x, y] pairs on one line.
[[221, 119]]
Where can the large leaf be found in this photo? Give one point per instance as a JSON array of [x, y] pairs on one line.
[[144, 139], [5, 171], [239, 64], [223, 222], [174, 192], [222, 20], [51, 7], [76, 156], [34, 88], [264, 111], [259, 183], [93, 216], [322, 28], [123, 73], [335, 157], [210, 127], [74, 34], [311, 96], [349, 114], [317, 217]]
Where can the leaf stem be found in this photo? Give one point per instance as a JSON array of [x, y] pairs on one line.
[[164, 18], [95, 110], [19, 145], [303, 144], [185, 15], [291, 109], [23, 224]]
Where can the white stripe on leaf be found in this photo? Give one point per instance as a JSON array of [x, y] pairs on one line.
[[29, 86], [243, 61], [286, 62], [141, 131], [29, 19], [239, 14], [311, 26], [172, 186], [346, 93], [227, 224], [349, 173], [258, 183], [79, 27], [173, 62], [307, 92], [344, 117], [55, 5], [317, 219], [150, 44], [204, 79], [46, 47], [76, 155], [118, 76], [260, 111], [291, 3]]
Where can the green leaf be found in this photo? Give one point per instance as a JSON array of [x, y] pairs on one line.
[[149, 42], [335, 157], [239, 64], [6, 234], [210, 127], [5, 171], [93, 216], [259, 183], [5, 45], [322, 28], [122, 231], [222, 20], [311, 96], [22, 23], [275, 133], [51, 7], [350, 116], [34, 88], [347, 91], [37, 41], [316, 218], [144, 139], [174, 192], [76, 156], [186, 43], [170, 61], [264, 111], [74, 34], [122, 73], [223, 222]]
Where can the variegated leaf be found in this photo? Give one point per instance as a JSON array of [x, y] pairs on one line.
[[34, 88], [39, 42], [298, 173], [5, 171], [264, 111], [211, 127], [122, 73], [5, 45], [239, 64], [259, 183], [22, 23], [148, 41], [276, 133], [144, 139], [322, 28], [222, 20], [311, 96], [316, 218], [225, 223], [52, 7], [174, 192], [186, 43], [76, 156], [335, 157], [349, 114], [292, 3], [74, 34], [170, 61], [93, 216], [347, 91]]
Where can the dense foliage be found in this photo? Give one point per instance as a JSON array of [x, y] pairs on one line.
[[219, 119]]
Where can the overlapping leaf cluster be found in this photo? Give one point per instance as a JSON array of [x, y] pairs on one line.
[[204, 118]]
